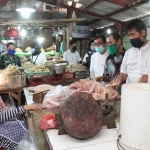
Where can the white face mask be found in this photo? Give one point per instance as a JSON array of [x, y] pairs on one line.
[[33, 49], [92, 48]]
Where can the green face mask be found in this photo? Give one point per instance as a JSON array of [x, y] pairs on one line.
[[112, 49]]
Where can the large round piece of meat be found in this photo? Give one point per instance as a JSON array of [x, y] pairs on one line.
[[81, 116]]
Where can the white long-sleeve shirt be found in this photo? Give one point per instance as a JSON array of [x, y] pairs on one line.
[[97, 63], [134, 63]]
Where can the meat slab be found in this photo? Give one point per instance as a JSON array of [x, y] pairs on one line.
[[96, 89]]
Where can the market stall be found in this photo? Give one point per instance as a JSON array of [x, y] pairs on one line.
[[45, 141], [75, 111]]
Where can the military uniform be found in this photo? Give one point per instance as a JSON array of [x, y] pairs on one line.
[[5, 61]]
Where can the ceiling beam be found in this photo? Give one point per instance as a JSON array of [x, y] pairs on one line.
[[121, 10], [81, 11], [70, 12], [35, 22]]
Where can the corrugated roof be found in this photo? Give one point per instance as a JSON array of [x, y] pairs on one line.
[[106, 8], [86, 2]]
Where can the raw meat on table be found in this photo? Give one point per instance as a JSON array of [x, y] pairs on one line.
[[96, 89]]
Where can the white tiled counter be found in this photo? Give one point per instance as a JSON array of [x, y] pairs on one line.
[[104, 140], [28, 95]]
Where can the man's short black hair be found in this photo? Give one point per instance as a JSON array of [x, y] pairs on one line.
[[72, 42], [102, 37], [10, 43], [115, 36], [90, 42], [136, 24]]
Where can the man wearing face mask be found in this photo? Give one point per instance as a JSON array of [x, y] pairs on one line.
[[71, 56], [133, 68], [98, 59], [87, 56], [114, 60], [37, 57], [9, 57]]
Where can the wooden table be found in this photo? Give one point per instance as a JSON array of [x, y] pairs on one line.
[[15, 93], [36, 117]]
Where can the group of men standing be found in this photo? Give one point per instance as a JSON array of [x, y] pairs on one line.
[[113, 64]]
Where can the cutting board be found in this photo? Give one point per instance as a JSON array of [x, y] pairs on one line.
[[81, 116]]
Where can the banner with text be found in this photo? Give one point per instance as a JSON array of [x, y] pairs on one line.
[[81, 32]]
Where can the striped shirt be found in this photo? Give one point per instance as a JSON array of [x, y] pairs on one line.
[[11, 114]]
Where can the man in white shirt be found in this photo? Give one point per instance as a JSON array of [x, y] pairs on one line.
[[133, 68], [71, 56], [98, 59]]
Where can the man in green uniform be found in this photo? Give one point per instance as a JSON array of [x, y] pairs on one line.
[[9, 58]]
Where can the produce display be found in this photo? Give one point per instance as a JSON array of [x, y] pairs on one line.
[[12, 77], [27, 65], [23, 59], [53, 61], [58, 58], [11, 71], [49, 49], [49, 57], [73, 68], [23, 54], [29, 48], [18, 50], [37, 68], [52, 53]]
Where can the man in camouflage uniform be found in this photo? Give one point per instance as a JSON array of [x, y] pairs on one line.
[[9, 58]]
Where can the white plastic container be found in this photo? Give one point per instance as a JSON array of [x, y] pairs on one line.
[[135, 116]]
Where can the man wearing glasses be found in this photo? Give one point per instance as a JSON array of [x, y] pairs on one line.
[[98, 59], [114, 60]]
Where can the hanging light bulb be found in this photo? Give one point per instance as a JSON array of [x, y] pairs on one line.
[[25, 15], [26, 11], [40, 39], [18, 27], [108, 31], [23, 33]]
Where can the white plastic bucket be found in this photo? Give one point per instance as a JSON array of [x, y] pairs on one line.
[[135, 116]]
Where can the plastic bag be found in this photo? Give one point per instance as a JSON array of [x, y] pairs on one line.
[[10, 105], [2, 105], [28, 142], [56, 96], [48, 122]]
